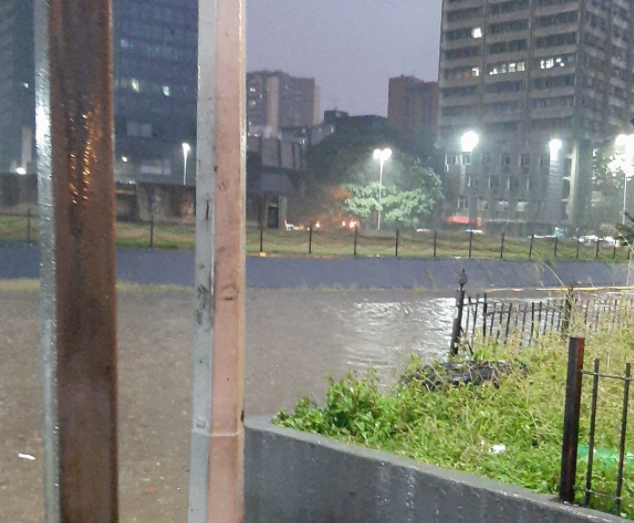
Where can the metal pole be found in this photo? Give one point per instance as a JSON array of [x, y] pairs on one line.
[[502, 247], [151, 231], [216, 454], [470, 243], [624, 197], [396, 249], [185, 151], [378, 221], [530, 250], [28, 225], [74, 129], [261, 236], [556, 244], [356, 235], [310, 239], [435, 241], [572, 409], [456, 330]]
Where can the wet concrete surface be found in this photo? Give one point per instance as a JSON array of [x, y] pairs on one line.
[[176, 267], [294, 339]]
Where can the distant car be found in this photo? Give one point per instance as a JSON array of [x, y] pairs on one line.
[[474, 231], [588, 239], [290, 227]]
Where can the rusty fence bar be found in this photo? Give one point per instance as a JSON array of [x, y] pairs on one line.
[[74, 121], [572, 409]]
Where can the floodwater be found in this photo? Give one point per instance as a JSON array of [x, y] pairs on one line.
[[295, 338], [299, 337]]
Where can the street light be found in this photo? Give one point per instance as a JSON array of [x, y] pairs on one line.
[[468, 142], [625, 144], [186, 149], [555, 145], [381, 155]]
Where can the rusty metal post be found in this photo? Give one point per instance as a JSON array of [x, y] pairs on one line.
[[216, 461], [74, 129], [572, 409], [456, 331]]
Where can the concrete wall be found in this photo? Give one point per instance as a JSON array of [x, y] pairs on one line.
[[292, 477], [176, 267]]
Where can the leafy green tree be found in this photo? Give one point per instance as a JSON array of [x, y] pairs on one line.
[[608, 180]]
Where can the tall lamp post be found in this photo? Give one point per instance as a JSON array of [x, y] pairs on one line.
[[625, 149], [381, 155], [186, 149], [468, 142]]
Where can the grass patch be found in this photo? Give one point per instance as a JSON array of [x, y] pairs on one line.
[[25, 285], [459, 427]]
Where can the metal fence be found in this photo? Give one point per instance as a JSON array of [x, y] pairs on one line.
[[485, 319], [578, 483], [349, 242]]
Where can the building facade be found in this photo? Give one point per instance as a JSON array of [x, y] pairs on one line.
[[155, 87], [540, 83], [17, 87], [276, 100], [412, 108]]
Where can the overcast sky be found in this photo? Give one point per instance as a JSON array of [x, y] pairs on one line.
[[351, 47]]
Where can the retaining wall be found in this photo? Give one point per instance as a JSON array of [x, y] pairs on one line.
[[292, 477], [176, 267]]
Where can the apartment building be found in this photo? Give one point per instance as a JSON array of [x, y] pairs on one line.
[[276, 100], [538, 84], [412, 108]]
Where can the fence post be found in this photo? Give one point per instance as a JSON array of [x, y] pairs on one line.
[[261, 236], [356, 235], [556, 244], [614, 251], [435, 241], [485, 310], [28, 225], [596, 254], [502, 247], [530, 250], [568, 304], [151, 231], [619, 477], [457, 322], [310, 239], [470, 242], [397, 236], [572, 409], [577, 249]]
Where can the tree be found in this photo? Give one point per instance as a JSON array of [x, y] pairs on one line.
[[608, 184], [408, 197]]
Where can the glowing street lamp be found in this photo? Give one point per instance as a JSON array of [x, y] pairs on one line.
[[555, 145], [381, 155], [186, 149], [469, 141]]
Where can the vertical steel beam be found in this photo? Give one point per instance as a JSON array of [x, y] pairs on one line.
[[78, 301], [216, 461]]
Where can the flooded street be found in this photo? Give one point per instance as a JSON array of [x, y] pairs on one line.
[[295, 338]]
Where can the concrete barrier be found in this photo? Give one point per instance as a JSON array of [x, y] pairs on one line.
[[293, 477], [176, 267]]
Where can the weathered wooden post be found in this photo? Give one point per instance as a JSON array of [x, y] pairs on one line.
[[74, 130], [216, 454]]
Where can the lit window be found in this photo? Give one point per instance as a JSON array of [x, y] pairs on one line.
[[522, 206], [475, 71], [134, 84], [166, 90], [124, 159], [521, 66], [26, 85], [476, 32]]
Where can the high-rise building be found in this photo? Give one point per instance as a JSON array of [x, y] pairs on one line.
[[276, 100], [155, 87], [412, 107], [17, 89], [540, 83]]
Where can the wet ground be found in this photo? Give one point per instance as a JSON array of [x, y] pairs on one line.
[[294, 339]]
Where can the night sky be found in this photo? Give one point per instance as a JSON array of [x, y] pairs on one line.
[[351, 47]]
